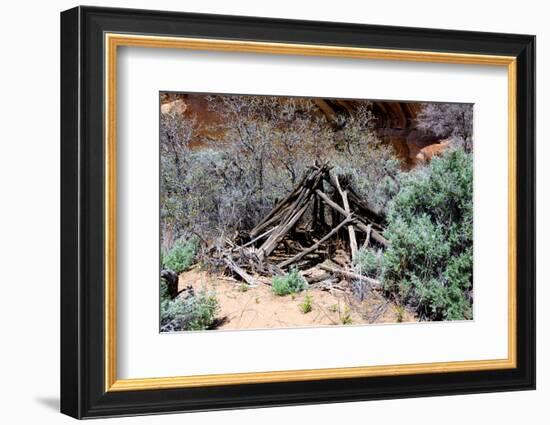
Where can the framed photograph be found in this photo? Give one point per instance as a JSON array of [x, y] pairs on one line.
[[261, 212]]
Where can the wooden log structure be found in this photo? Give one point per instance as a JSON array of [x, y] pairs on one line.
[[264, 255]]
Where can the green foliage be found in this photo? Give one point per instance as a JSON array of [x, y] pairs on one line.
[[346, 316], [429, 263], [180, 257], [400, 311], [164, 294], [206, 307], [368, 262], [243, 287], [254, 155], [196, 312], [306, 304], [333, 308], [290, 283]]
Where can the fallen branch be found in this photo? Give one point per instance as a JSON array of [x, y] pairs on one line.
[[367, 237], [317, 244], [377, 236], [314, 279], [244, 275], [351, 275]]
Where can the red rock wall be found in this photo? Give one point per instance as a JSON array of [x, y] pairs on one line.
[[395, 122]]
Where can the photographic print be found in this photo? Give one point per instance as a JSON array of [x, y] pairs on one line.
[[281, 212]]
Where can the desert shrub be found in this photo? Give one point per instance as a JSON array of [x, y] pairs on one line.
[[253, 156], [181, 255], [193, 313], [164, 294], [373, 173], [306, 305], [206, 308], [290, 283], [368, 262], [217, 194], [429, 263], [345, 317]]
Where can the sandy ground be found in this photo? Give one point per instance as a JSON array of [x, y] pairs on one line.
[[245, 307]]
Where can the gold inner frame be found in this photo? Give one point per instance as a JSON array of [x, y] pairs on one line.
[[113, 41]]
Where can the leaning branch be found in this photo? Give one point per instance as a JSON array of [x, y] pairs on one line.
[[236, 269], [377, 236], [376, 284], [315, 245]]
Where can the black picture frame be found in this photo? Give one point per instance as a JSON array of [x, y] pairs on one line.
[[83, 392]]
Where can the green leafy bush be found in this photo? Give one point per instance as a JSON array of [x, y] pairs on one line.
[[368, 262], [290, 283], [429, 264], [196, 312], [180, 257], [164, 294]]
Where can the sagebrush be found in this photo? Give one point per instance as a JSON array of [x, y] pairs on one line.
[[290, 283], [429, 263], [192, 313], [368, 262], [180, 257]]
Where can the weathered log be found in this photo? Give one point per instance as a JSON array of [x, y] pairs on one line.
[[171, 280], [376, 284], [322, 218], [275, 270], [267, 248], [279, 205], [315, 245], [277, 217], [367, 237], [328, 285], [377, 236], [316, 278], [240, 272], [228, 278], [288, 212], [286, 208], [331, 203], [256, 239], [351, 231]]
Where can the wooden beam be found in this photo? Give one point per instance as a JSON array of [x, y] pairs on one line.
[[367, 237], [256, 239], [279, 206], [244, 275], [331, 203], [376, 284], [351, 231], [269, 245]]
